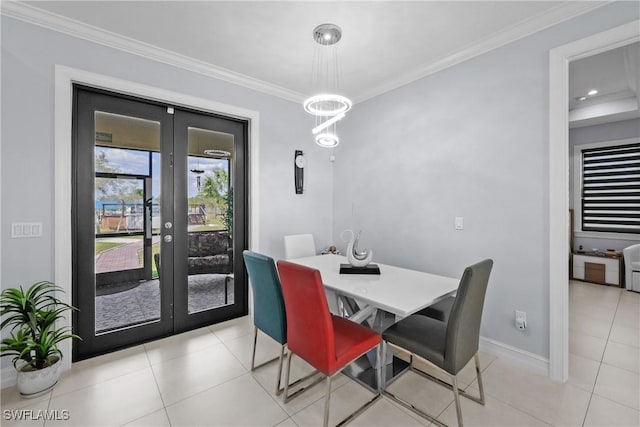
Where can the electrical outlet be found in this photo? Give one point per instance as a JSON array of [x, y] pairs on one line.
[[521, 320]]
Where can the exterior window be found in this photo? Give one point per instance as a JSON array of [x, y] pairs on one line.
[[611, 189]]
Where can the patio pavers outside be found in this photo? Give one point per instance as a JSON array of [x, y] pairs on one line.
[[123, 257], [141, 303]]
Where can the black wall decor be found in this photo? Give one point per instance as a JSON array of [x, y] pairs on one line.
[[299, 163]]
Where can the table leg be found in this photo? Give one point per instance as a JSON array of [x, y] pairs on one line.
[[371, 370]]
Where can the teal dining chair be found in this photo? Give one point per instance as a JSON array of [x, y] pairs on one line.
[[268, 309]]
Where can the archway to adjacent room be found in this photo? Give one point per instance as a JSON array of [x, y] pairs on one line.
[[559, 185]]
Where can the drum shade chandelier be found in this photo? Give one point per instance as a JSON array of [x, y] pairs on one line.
[[327, 107]]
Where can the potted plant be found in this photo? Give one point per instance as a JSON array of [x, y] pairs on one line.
[[31, 317]]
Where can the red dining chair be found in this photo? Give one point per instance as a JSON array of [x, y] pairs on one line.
[[327, 342]]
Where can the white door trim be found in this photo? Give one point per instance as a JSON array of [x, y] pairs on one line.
[[559, 59], [65, 77]]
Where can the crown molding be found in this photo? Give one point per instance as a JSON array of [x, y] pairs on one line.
[[42, 18], [74, 28], [532, 25]]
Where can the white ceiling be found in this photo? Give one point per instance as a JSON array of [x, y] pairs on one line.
[[268, 45], [615, 74]]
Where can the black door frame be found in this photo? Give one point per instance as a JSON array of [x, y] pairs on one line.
[[183, 119], [80, 217]]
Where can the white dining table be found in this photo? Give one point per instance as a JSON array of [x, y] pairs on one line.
[[397, 291]]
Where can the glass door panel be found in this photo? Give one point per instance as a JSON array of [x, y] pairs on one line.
[[209, 220], [127, 286], [209, 278], [118, 153]]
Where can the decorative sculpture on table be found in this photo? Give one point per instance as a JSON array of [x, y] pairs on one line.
[[356, 257]]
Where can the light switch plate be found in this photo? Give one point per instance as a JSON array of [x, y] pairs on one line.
[[20, 230], [459, 223]]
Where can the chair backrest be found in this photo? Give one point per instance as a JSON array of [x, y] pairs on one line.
[[299, 246], [268, 305], [309, 325], [463, 327]]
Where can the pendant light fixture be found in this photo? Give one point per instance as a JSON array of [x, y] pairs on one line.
[[327, 107]]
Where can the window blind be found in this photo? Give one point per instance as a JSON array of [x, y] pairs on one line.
[[611, 189]]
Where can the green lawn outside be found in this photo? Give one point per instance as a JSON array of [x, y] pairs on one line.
[[211, 227], [103, 246]]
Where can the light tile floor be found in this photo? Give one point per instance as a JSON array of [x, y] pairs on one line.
[[202, 378]]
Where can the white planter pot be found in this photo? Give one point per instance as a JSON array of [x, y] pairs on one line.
[[36, 383]]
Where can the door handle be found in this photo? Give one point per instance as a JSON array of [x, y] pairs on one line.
[[168, 238]]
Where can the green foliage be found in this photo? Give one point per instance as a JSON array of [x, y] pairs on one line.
[[227, 211], [31, 316], [104, 246], [215, 193], [215, 187]]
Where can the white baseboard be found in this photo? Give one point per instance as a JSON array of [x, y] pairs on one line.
[[529, 361], [8, 377]]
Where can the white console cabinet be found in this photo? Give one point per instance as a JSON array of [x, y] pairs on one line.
[[598, 269]]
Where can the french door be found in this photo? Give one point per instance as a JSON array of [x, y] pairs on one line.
[[159, 211]]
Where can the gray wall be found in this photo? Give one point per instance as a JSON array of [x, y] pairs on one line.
[[29, 54], [469, 141], [599, 133]]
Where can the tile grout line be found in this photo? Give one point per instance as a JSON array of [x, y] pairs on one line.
[[466, 389], [251, 375], [44, 422], [289, 417], [509, 404], [209, 388], [586, 413], [155, 379]]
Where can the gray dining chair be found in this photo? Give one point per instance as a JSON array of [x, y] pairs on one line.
[[448, 345], [440, 310]]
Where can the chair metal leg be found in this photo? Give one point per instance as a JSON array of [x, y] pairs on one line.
[[278, 389], [253, 355], [286, 378], [476, 358], [287, 397], [366, 405], [454, 387], [456, 399], [255, 341], [464, 393], [382, 367], [327, 402], [328, 397], [226, 290]]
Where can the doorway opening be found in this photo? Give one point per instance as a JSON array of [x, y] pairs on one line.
[[559, 252]]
